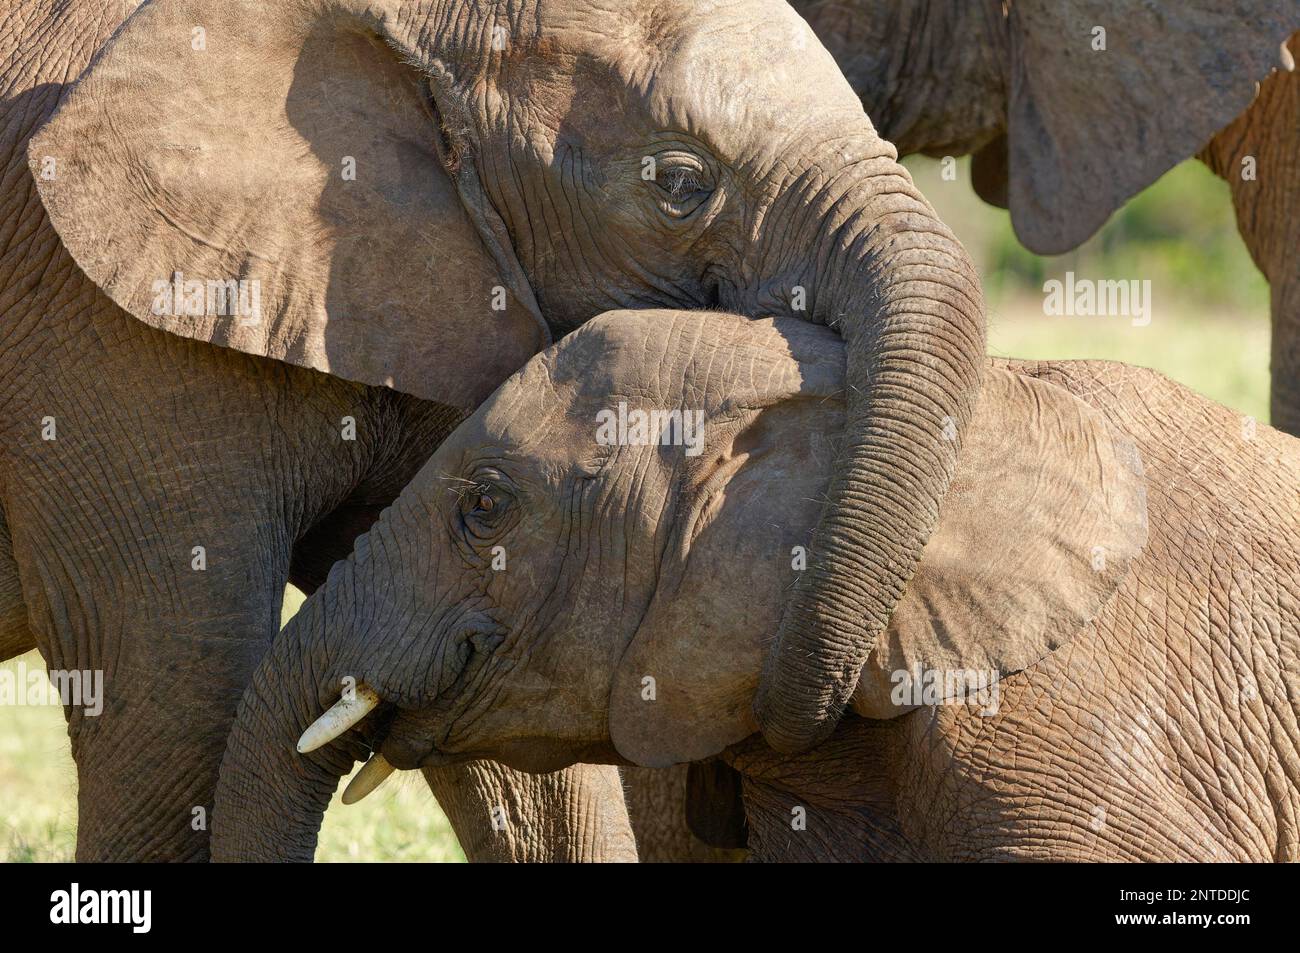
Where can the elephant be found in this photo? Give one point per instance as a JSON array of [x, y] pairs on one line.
[[1095, 660], [1071, 107], [367, 188], [158, 492]]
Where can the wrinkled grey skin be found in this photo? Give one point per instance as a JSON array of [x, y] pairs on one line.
[[1158, 720], [686, 154], [164, 444], [1063, 135]]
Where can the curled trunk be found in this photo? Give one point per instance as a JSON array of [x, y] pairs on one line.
[[905, 297]]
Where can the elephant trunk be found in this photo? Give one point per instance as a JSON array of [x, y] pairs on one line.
[[905, 297], [270, 799]]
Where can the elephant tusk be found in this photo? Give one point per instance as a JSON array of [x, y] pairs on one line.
[[344, 713], [374, 773]]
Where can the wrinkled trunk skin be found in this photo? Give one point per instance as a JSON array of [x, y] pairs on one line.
[[904, 295], [270, 800], [1268, 217]]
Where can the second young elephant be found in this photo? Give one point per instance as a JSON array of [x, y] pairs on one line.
[[1095, 659], [1071, 107]]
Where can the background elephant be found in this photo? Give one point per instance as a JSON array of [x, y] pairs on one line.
[[125, 448], [511, 170], [1063, 133], [1115, 576]]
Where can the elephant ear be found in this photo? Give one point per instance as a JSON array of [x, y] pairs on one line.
[[266, 177], [684, 687], [988, 172], [1089, 128], [1038, 530]]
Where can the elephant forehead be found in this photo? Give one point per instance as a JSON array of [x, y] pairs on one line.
[[718, 81]]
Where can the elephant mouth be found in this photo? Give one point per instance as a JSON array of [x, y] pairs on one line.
[[406, 744], [399, 739]]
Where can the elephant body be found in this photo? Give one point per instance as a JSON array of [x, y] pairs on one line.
[[1117, 559], [1166, 730], [420, 197], [1066, 123], [158, 495]]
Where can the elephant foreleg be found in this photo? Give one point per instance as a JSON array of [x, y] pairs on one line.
[[1284, 402], [500, 815], [1259, 156]]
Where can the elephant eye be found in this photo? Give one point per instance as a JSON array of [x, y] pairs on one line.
[[482, 506], [682, 184]]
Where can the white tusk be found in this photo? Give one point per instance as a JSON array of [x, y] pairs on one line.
[[345, 713], [372, 774]]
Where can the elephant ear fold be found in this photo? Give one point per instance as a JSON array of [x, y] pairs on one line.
[[1039, 528], [267, 180], [771, 391], [1089, 127]]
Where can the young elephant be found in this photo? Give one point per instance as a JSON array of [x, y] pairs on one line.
[[561, 583]]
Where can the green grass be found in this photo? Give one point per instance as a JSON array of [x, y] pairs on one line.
[[38, 789], [1223, 358], [1209, 303], [38, 798]]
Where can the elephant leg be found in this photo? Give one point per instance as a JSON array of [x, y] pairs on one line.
[[500, 815], [15, 634], [158, 606], [160, 653], [656, 805], [1284, 402], [152, 518], [1259, 156], [147, 764]]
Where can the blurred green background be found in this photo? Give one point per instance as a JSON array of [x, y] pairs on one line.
[[1209, 329], [1209, 303]]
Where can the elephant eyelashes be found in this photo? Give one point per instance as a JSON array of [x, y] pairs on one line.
[[482, 507], [683, 184]]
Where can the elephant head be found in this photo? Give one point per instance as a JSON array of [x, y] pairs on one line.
[[589, 567], [1070, 106], [421, 195]]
